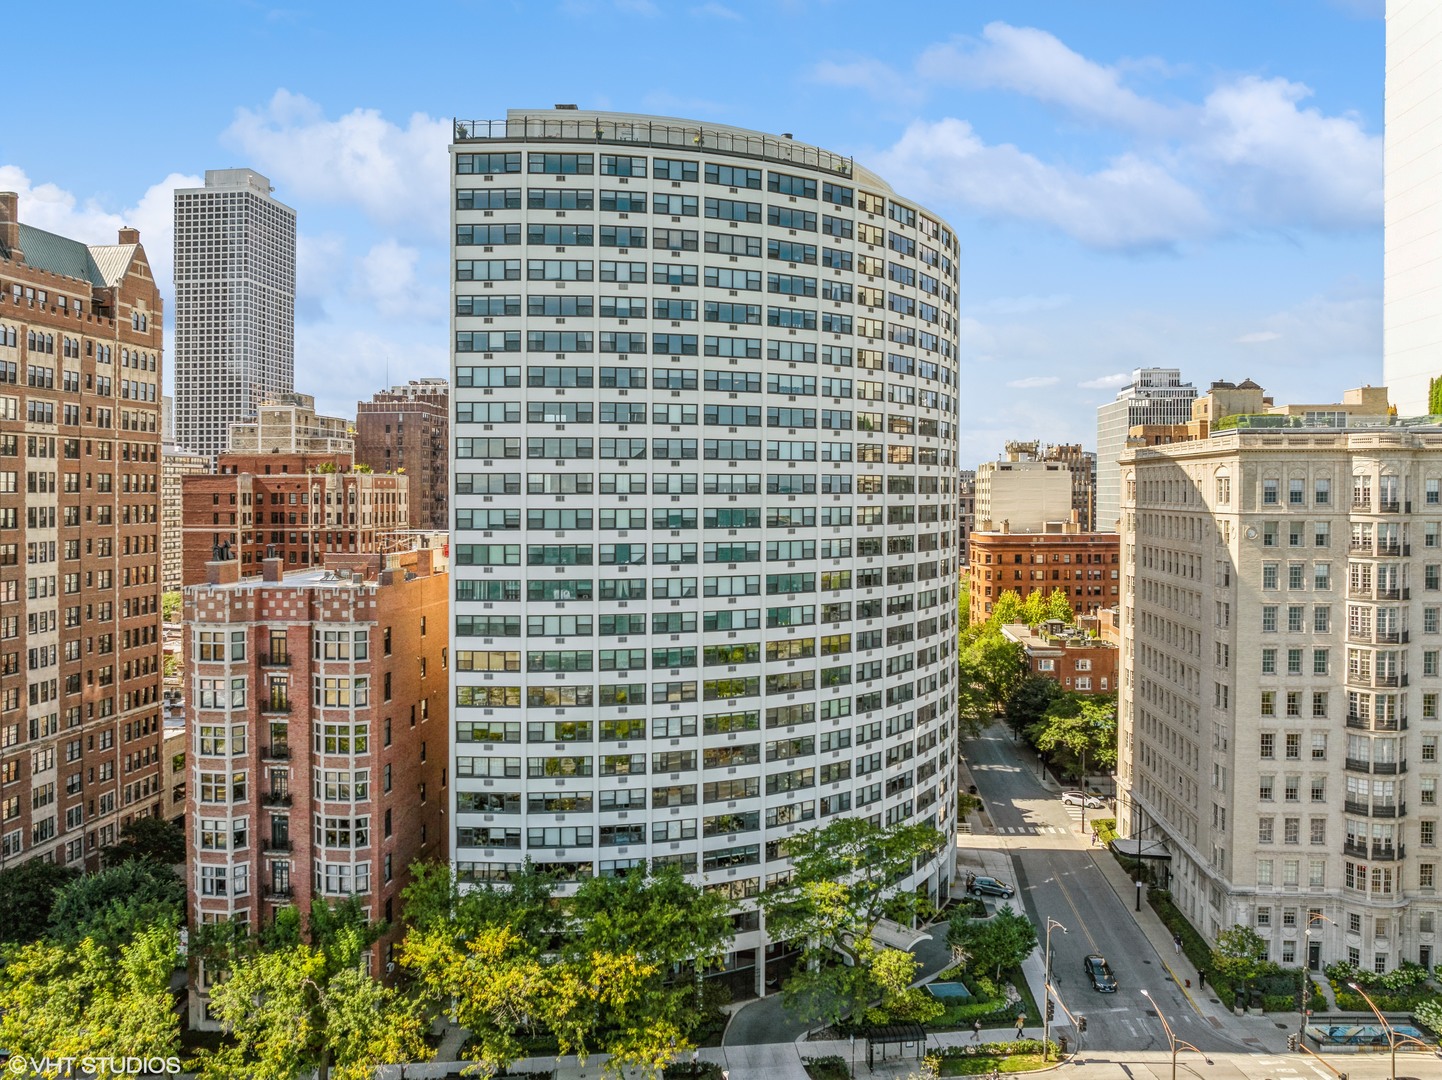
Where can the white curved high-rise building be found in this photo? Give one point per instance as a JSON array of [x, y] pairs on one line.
[[704, 501]]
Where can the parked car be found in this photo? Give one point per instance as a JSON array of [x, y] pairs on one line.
[[1080, 798], [1100, 973], [990, 886]]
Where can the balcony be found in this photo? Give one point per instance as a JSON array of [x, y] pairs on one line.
[[275, 659], [276, 752], [279, 894], [1389, 768], [275, 798], [1353, 806], [1358, 765], [1389, 810], [1390, 506], [1389, 680], [275, 705], [1358, 851], [276, 845], [1388, 853]]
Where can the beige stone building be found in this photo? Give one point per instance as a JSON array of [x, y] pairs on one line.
[[174, 464], [1022, 494], [1281, 673], [289, 424]]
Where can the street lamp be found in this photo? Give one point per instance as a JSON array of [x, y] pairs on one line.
[[1176, 1043], [1393, 1035], [1313, 918], [1046, 987], [1139, 884]]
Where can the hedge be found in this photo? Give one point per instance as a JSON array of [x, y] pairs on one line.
[[991, 1049]]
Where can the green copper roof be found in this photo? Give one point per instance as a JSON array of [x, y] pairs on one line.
[[46, 251]]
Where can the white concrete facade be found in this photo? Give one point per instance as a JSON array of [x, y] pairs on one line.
[[234, 305], [1282, 626], [705, 582], [1024, 495], [1412, 260]]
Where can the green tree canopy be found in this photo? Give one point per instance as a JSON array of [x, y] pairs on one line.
[[296, 1006], [155, 838], [846, 877], [110, 905], [170, 605], [1240, 954], [1031, 699], [89, 999], [993, 945], [1076, 726], [613, 969], [30, 889], [290, 1014]]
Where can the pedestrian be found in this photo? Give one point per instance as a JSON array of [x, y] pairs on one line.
[[1020, 1024], [976, 1031], [1177, 943], [1201, 977]]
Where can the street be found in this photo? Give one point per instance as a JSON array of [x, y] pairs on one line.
[[1058, 878]]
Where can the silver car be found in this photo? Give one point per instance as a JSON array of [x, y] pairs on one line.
[[1080, 798]]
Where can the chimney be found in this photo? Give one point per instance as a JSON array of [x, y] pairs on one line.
[[425, 562], [272, 569], [129, 235], [10, 225], [222, 572]]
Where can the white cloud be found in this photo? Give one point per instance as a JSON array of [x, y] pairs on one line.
[[1131, 204], [1258, 337], [1281, 165], [1038, 65], [1034, 382], [1249, 155], [49, 207], [385, 279], [1107, 382], [872, 77], [397, 175]]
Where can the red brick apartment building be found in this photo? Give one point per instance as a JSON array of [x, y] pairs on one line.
[[408, 427], [319, 735], [302, 506], [1084, 565], [80, 668], [1068, 654]]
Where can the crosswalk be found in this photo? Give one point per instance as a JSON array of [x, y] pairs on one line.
[[1030, 830]]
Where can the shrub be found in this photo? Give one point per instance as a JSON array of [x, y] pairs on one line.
[[993, 1049], [1105, 829], [830, 1067], [692, 1070]]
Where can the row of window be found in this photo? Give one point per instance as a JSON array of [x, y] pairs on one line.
[[727, 483]]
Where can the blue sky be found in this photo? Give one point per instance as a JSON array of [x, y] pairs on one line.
[[1133, 183]]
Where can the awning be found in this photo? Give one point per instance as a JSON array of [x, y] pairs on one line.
[[1140, 848]]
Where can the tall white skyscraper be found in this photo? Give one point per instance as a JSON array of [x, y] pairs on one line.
[[1155, 396], [1412, 273], [234, 305], [704, 502]]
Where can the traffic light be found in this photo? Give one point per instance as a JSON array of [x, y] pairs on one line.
[[1050, 1010], [1081, 1024], [1292, 1043]]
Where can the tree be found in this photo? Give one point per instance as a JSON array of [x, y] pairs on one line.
[[86, 999], [155, 838], [292, 1012], [893, 971], [615, 968], [110, 905], [1040, 607], [636, 930], [170, 605], [997, 944], [846, 877], [294, 1007], [994, 664], [1028, 703], [1082, 728], [1240, 955], [29, 890]]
